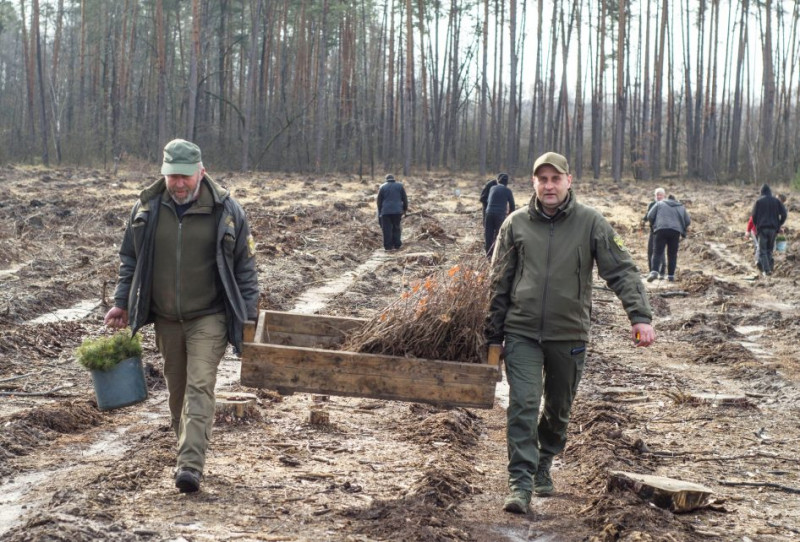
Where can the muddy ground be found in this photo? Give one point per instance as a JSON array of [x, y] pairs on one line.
[[383, 470]]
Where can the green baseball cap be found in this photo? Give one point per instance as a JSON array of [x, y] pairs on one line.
[[552, 159], [181, 157]]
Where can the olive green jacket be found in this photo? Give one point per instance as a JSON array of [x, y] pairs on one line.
[[235, 259], [542, 274]]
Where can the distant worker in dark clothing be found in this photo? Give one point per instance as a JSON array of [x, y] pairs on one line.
[[485, 197], [669, 221], [659, 195], [768, 214], [392, 205], [499, 205]]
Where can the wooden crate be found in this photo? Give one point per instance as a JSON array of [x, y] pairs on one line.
[[292, 353]]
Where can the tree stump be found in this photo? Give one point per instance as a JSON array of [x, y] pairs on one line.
[[318, 416], [235, 404]]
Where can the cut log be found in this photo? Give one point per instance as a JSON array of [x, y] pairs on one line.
[[675, 495], [719, 399], [625, 395], [674, 293]]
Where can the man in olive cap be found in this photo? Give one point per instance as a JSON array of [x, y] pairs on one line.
[[187, 264], [541, 296], [392, 205]]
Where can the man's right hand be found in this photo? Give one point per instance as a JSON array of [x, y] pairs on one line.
[[116, 318]]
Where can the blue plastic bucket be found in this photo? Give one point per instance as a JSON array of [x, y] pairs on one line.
[[121, 386], [781, 246]]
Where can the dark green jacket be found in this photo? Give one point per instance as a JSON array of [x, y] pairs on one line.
[[236, 261], [542, 274]]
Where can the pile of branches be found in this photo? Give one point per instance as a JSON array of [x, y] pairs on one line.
[[440, 317]]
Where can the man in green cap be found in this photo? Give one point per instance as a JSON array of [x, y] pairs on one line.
[[187, 264], [540, 308]]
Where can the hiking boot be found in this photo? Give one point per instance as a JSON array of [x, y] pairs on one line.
[[542, 481], [187, 480], [517, 501], [671, 278], [652, 276]]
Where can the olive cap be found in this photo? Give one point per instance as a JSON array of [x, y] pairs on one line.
[[552, 159], [181, 157]]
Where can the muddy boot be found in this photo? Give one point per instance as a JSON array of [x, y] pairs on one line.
[[187, 480], [543, 482], [517, 501]]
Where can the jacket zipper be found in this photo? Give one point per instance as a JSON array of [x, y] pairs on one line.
[[546, 278], [178, 271]]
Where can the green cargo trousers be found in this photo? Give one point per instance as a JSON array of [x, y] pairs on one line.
[[533, 368], [192, 350]]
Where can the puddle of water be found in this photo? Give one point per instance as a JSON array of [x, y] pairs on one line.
[[523, 534], [750, 330], [11, 270], [109, 445], [11, 505], [79, 311], [315, 299], [756, 349]]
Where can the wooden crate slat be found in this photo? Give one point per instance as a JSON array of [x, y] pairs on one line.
[[368, 375], [308, 324], [301, 339]]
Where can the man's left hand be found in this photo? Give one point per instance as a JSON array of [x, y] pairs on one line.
[[643, 334]]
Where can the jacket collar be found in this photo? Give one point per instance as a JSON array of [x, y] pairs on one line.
[[535, 207]]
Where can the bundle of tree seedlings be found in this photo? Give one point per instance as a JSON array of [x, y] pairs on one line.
[[439, 317]]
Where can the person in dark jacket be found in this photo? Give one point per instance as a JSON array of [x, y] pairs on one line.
[[485, 197], [659, 195], [392, 205], [499, 205], [540, 306], [669, 221], [768, 215], [187, 264]]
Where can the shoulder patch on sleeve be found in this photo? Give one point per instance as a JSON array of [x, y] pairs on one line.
[[251, 246], [620, 243]]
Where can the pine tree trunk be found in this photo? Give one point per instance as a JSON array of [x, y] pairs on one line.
[[408, 134], [768, 96], [424, 86], [319, 124], [511, 138], [619, 109], [579, 107], [597, 95], [194, 59], [658, 98], [44, 118]]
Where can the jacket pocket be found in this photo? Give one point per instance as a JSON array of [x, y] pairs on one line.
[[138, 228]]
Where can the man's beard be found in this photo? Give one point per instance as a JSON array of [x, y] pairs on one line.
[[189, 197]]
